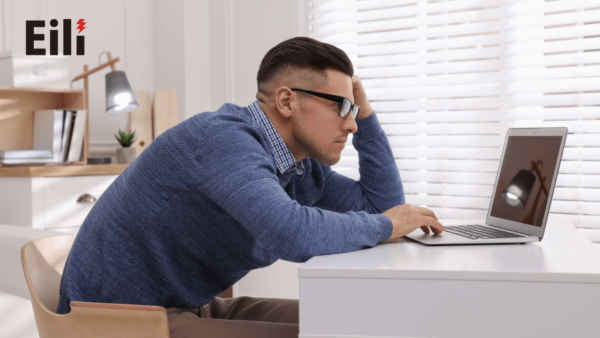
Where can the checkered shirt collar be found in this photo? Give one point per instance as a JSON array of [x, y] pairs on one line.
[[283, 156]]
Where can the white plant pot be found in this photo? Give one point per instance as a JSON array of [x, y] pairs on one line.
[[126, 155]]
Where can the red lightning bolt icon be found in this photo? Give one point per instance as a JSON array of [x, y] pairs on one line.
[[80, 25]]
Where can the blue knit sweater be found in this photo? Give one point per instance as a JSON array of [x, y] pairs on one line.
[[204, 204]]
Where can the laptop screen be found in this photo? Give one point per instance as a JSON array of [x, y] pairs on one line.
[[525, 178]]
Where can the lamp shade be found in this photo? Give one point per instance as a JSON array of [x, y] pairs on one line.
[[119, 96], [518, 189]]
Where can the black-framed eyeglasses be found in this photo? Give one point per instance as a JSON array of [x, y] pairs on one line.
[[345, 106]]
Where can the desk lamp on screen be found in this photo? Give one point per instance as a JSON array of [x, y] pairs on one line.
[[517, 191]]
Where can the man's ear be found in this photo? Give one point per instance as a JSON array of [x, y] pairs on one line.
[[284, 101]]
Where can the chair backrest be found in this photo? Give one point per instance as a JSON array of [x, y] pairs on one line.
[[43, 262]]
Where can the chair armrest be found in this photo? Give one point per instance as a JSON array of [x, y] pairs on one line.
[[118, 306], [119, 320]]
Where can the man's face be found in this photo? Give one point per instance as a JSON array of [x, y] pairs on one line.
[[319, 130]]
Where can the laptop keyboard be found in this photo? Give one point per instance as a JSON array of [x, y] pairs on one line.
[[475, 231]]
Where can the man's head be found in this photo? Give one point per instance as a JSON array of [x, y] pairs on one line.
[[310, 126]]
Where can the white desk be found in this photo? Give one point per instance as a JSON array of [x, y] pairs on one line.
[[404, 289]]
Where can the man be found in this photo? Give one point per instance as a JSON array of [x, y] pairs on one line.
[[226, 192]]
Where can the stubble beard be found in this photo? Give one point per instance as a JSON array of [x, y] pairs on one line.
[[314, 150]]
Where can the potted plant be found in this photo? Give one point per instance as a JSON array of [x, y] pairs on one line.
[[126, 154]]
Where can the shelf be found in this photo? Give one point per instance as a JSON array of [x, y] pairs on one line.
[[42, 90], [16, 113], [62, 170]]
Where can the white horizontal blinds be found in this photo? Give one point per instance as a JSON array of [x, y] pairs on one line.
[[431, 73], [447, 160], [335, 22], [550, 77], [448, 77], [567, 92]]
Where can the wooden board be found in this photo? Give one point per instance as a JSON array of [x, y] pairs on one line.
[[74, 100], [86, 104], [16, 111], [41, 90], [64, 170], [164, 111], [140, 121], [8, 108], [227, 293]]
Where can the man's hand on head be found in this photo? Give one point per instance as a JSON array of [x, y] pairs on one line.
[[360, 98], [406, 218]]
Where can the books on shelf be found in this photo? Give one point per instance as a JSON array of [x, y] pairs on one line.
[[79, 120], [21, 154], [57, 137], [23, 161], [47, 131], [66, 135], [25, 156]]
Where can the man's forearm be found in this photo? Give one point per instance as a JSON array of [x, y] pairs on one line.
[[379, 176]]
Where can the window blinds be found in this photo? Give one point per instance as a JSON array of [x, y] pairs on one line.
[[448, 78]]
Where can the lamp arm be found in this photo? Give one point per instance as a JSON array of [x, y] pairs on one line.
[[536, 169], [93, 70], [110, 59]]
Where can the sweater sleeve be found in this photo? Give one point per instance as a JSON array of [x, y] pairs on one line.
[[380, 187], [237, 173]]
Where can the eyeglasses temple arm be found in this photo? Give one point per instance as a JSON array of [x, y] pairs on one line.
[[334, 98]]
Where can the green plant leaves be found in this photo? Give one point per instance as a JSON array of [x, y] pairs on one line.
[[125, 139]]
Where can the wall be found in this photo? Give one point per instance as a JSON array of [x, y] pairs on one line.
[[207, 50], [215, 61], [123, 27], [250, 32]]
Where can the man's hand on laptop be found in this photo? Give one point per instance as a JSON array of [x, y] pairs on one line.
[[406, 218]]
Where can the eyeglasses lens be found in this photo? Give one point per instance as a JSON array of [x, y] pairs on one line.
[[345, 108], [355, 111]]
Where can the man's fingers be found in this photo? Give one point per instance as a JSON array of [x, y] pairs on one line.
[[425, 229], [433, 223], [437, 228], [360, 97], [426, 212]]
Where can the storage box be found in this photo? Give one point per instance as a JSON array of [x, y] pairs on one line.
[[29, 71]]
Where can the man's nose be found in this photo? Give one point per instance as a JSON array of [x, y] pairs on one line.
[[349, 125]]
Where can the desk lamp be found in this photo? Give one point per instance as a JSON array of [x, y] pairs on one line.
[[119, 96]]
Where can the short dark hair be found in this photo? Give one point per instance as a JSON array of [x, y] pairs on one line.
[[302, 53]]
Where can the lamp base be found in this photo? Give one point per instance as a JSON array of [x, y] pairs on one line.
[[99, 160]]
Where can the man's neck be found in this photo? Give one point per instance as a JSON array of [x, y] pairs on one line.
[[282, 128]]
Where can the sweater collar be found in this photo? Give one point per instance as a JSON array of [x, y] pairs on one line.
[[283, 156]]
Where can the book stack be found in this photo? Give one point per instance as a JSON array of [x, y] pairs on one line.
[[57, 137]]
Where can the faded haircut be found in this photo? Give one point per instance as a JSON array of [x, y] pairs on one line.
[[300, 61]]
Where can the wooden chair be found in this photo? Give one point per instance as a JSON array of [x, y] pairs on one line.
[[43, 263]]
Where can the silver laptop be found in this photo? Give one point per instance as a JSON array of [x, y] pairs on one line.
[[522, 193]]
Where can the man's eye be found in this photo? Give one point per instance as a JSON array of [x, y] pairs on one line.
[[338, 106]]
